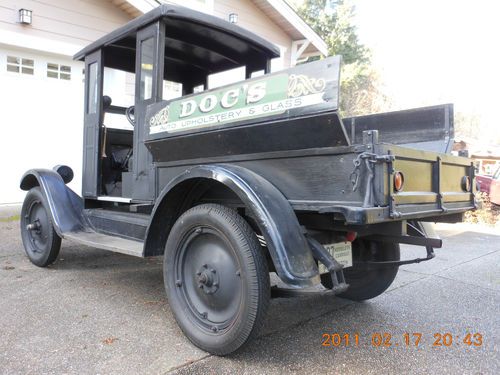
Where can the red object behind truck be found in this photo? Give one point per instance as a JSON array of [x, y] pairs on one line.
[[490, 185]]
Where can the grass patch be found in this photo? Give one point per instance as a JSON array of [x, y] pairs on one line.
[[9, 219]]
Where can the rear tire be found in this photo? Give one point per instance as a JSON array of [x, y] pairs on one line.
[[40, 240], [216, 278], [366, 282]]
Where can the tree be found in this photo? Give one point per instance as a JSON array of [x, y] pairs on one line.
[[467, 125], [333, 21]]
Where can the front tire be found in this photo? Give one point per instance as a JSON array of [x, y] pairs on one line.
[[368, 281], [40, 240], [216, 278]]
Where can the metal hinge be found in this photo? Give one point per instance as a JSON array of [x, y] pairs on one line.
[[369, 160]]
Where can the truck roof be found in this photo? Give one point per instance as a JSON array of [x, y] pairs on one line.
[[203, 39]]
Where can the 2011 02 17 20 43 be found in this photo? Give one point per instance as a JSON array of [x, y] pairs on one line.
[[405, 339]]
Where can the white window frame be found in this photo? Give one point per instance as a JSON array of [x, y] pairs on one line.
[[171, 90], [20, 65], [58, 71]]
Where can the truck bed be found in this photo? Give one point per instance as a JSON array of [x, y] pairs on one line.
[[311, 160]]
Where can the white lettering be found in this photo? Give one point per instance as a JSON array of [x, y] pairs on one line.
[[256, 92], [208, 103], [230, 98], [187, 108]]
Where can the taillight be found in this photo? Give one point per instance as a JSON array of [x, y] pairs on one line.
[[466, 184], [350, 236], [399, 181]]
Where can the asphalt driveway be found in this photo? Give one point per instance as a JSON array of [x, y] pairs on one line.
[[95, 312]]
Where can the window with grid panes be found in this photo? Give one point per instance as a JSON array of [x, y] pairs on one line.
[[20, 65], [59, 71]]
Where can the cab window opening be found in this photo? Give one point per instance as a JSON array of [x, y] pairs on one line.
[[92, 89], [147, 65], [119, 87]]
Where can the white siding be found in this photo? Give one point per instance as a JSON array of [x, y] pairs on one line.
[[42, 121], [252, 18], [78, 22]]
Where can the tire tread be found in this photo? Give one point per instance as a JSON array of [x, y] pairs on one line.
[[259, 286], [52, 252]]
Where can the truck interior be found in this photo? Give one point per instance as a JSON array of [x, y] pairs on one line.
[[167, 53]]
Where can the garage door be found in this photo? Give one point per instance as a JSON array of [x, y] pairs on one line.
[[41, 101]]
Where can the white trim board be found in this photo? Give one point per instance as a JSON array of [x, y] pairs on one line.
[[292, 17], [114, 199], [20, 40], [143, 6]]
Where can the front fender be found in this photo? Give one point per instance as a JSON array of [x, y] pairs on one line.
[[275, 217], [66, 207]]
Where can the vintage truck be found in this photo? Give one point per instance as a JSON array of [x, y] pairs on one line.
[[234, 182]]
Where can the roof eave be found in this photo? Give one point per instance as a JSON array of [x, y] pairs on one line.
[[293, 18], [143, 6], [281, 7]]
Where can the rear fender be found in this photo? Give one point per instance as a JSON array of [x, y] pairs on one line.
[[66, 207], [274, 216]]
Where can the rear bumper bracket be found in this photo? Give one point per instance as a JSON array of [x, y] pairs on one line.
[[392, 263], [425, 236], [334, 267]]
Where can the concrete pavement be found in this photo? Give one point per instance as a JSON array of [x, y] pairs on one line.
[[95, 312]]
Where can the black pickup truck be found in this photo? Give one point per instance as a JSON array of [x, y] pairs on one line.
[[232, 183]]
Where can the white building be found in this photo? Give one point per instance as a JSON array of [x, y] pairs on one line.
[[41, 87]]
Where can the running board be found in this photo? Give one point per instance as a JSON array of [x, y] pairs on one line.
[[128, 225], [277, 292], [107, 242]]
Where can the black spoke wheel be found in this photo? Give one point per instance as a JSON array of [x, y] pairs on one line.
[[41, 242], [216, 278], [368, 281]]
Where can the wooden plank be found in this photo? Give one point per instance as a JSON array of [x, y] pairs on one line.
[[7, 26], [101, 10]]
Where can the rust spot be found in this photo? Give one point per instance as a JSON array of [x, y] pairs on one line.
[[109, 340]]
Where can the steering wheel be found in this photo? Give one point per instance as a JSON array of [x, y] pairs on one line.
[[130, 115]]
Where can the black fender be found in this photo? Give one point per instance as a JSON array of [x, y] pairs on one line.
[[66, 207], [274, 215]]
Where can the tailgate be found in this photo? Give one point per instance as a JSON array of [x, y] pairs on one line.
[[434, 184], [428, 128]]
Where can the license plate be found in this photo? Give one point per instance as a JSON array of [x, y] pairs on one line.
[[341, 251]]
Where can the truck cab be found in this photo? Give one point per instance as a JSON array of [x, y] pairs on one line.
[[231, 180], [174, 51]]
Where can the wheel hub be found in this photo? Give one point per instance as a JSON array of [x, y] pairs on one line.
[[35, 222], [208, 279], [35, 225]]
